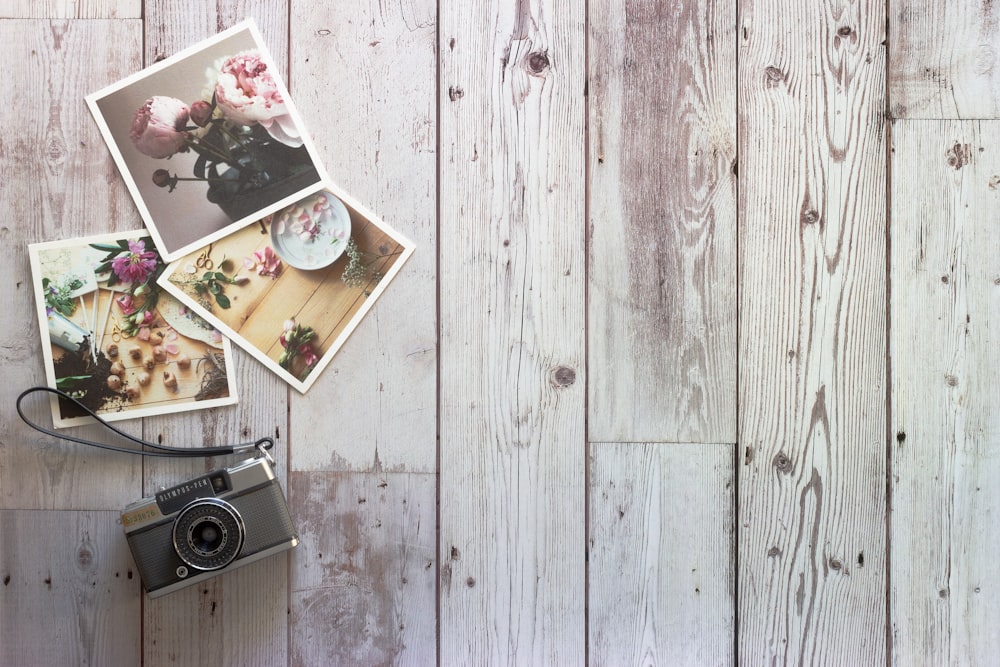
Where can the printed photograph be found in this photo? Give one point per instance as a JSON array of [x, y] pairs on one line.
[[117, 342], [291, 288], [207, 140]]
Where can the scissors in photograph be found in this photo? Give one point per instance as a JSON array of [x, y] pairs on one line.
[[204, 260]]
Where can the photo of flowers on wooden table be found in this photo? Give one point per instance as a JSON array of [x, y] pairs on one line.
[[114, 340], [292, 288], [207, 141]]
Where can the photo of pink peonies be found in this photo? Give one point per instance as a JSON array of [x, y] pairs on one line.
[[208, 141], [115, 340]]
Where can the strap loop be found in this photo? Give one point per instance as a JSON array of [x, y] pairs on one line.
[[261, 445]]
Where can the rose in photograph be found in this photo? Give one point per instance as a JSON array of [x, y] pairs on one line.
[[243, 133]]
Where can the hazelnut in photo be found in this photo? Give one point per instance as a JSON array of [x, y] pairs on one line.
[[118, 368], [169, 380], [114, 382], [159, 353], [113, 351], [184, 362], [143, 378], [135, 352]]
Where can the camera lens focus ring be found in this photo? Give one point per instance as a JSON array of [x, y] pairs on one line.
[[208, 534]]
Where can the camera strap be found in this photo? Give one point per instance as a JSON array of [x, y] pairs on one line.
[[258, 447]]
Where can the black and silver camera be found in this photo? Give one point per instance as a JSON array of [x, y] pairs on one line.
[[210, 524]]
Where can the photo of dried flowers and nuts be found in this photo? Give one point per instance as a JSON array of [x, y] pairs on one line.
[[291, 288], [114, 340], [207, 140]]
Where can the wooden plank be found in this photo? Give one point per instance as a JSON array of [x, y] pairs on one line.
[[812, 507], [945, 410], [49, 167], [172, 25], [662, 549], [71, 9], [662, 299], [366, 89], [511, 247], [240, 617], [70, 592], [363, 581], [944, 59]]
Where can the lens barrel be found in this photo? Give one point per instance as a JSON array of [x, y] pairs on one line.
[[208, 534]]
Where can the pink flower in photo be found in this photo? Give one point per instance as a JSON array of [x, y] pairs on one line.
[[126, 303], [135, 265], [158, 126], [264, 262], [201, 113], [246, 92], [143, 318], [308, 354]]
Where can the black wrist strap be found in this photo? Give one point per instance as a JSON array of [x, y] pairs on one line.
[[157, 449]]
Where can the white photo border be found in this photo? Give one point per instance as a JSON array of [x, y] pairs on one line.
[[302, 386], [93, 99], [34, 250]]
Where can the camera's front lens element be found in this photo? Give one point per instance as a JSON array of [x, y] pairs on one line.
[[208, 534]]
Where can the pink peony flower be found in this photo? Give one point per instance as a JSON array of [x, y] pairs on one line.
[[135, 265], [158, 126], [201, 113], [264, 262], [247, 93]]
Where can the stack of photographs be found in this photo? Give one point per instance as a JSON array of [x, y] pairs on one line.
[[246, 239]]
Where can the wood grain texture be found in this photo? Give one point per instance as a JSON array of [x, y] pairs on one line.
[[662, 548], [363, 580], [238, 618], [812, 334], [71, 9], [944, 59], [70, 593], [172, 25], [945, 315], [366, 88], [58, 182], [512, 448], [662, 298]]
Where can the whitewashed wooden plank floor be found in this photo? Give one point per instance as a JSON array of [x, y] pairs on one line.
[[694, 363]]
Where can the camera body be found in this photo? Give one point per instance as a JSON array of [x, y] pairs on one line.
[[208, 525]]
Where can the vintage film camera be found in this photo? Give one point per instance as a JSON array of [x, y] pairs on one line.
[[208, 525]]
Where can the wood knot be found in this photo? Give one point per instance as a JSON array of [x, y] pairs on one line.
[[85, 557], [562, 376], [455, 93], [538, 62], [810, 216], [845, 31], [773, 76], [959, 155], [782, 462]]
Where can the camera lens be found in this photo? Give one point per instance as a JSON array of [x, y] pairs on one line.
[[208, 534]]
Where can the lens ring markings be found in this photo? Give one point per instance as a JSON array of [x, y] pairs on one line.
[[208, 534]]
